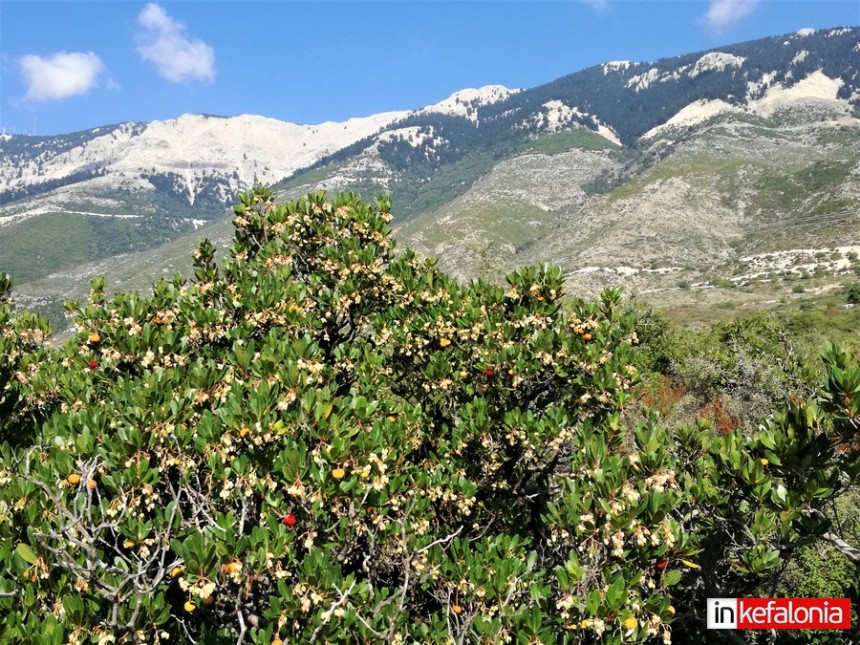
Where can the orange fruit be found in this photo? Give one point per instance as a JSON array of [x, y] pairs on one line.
[[91, 484], [457, 609], [175, 572], [338, 473], [587, 337], [95, 338], [74, 479]]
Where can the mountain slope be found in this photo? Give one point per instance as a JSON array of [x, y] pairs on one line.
[[646, 173]]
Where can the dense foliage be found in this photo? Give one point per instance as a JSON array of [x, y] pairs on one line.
[[322, 441]]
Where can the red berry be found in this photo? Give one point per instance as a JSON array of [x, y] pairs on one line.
[[93, 364], [290, 520], [488, 372], [662, 563]]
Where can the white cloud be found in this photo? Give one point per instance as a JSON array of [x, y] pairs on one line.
[[59, 76], [162, 41], [722, 13]]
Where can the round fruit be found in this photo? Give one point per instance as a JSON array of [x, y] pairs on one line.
[[189, 606], [338, 473], [444, 342], [463, 373], [277, 641], [95, 339], [631, 623], [391, 419], [290, 520], [74, 479], [671, 609], [208, 600], [156, 320], [91, 484], [232, 567], [93, 364], [244, 431], [662, 563], [763, 461], [457, 609], [176, 572], [587, 337], [511, 372], [488, 372]]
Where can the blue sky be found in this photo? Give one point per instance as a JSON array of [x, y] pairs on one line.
[[72, 65]]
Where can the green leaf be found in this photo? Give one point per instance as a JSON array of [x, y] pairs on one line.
[[27, 554], [672, 577]]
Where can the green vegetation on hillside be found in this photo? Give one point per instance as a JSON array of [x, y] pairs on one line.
[[55, 242], [578, 138], [322, 440]]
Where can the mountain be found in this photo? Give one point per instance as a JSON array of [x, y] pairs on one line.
[[713, 167]]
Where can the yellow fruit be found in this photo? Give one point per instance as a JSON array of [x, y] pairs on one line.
[[175, 572], [189, 606], [631, 623], [74, 479], [511, 372], [457, 609], [95, 338], [671, 609], [277, 641], [156, 320], [338, 473], [391, 419], [444, 342], [91, 484], [464, 374], [763, 461], [232, 567], [244, 431], [128, 544]]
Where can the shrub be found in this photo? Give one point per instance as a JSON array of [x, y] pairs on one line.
[[322, 441], [851, 291]]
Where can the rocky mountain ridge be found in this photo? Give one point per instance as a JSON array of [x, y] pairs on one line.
[[652, 174]]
